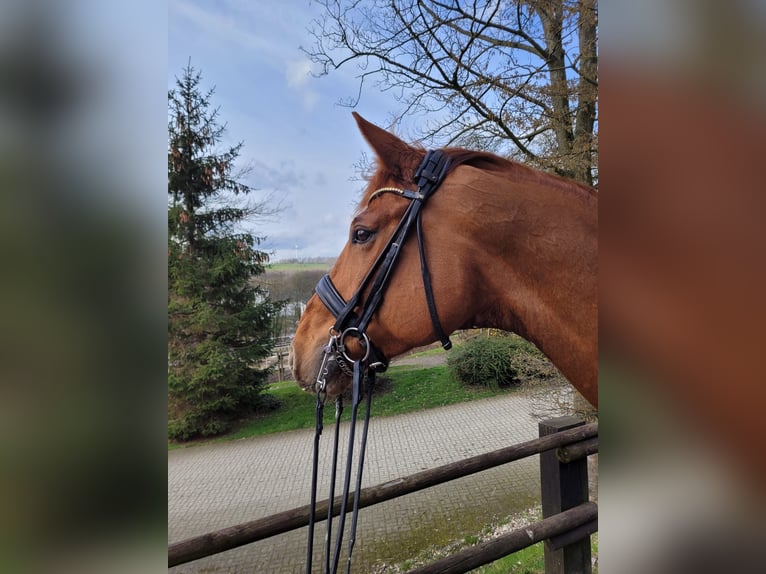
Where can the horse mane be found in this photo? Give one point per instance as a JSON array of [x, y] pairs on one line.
[[516, 171], [403, 173]]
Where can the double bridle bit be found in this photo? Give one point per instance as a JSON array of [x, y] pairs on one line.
[[352, 318]]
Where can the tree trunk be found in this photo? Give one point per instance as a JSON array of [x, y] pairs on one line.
[[551, 17], [588, 90]]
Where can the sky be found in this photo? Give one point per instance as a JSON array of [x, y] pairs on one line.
[[300, 144]]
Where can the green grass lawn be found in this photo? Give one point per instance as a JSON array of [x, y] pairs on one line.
[[529, 560], [402, 389], [299, 266]]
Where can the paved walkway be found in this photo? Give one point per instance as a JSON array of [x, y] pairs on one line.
[[219, 485]]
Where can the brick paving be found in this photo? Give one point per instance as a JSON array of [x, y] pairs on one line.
[[219, 485]]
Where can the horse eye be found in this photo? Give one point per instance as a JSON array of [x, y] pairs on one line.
[[361, 235]]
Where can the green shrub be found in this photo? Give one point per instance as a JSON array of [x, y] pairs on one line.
[[498, 361], [483, 361]]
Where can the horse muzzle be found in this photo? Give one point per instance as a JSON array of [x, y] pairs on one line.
[[311, 368]]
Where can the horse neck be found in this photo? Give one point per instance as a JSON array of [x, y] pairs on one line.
[[540, 277]]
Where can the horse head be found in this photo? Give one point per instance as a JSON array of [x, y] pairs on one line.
[[402, 320]]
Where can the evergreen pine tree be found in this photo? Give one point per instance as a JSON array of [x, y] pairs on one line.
[[219, 322]]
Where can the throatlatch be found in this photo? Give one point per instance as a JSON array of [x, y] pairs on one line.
[[352, 318]]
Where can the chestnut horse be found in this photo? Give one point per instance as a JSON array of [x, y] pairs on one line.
[[506, 246]]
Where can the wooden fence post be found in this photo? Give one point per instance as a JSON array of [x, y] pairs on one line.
[[564, 485]]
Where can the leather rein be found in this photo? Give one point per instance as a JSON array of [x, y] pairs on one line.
[[352, 318]]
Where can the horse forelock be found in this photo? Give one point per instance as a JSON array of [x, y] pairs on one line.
[[400, 174]]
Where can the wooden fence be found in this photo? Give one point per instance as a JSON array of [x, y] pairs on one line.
[[568, 517]]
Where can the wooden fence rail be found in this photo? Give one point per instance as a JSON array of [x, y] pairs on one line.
[[234, 536], [511, 542]]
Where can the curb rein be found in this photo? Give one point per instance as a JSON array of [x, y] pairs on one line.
[[428, 177]]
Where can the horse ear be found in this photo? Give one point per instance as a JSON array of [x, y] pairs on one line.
[[389, 148]]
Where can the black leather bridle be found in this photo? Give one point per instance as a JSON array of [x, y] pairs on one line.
[[352, 318], [428, 177]]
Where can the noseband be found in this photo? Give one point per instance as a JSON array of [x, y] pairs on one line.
[[352, 318]]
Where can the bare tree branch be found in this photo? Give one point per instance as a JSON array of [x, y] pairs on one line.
[[518, 77]]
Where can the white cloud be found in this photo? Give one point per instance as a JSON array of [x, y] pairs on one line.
[[298, 75], [232, 26], [261, 33]]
